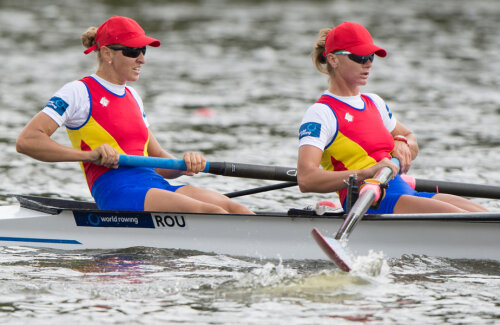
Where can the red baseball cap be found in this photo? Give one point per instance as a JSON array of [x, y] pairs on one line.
[[352, 37], [124, 31]]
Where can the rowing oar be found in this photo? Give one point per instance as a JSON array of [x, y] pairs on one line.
[[261, 189], [369, 193], [421, 185], [456, 188], [289, 174], [276, 173]]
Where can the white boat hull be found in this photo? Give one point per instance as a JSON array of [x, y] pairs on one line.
[[268, 235]]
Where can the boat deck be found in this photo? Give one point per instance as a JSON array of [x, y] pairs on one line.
[[56, 206]]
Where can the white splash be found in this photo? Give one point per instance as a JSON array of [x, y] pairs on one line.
[[373, 265], [267, 275]]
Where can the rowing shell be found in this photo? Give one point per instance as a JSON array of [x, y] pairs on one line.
[[68, 224]]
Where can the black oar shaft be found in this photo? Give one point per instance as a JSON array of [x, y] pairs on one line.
[[456, 188], [275, 173], [261, 189]]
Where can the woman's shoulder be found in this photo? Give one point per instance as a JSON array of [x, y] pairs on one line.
[[374, 97], [319, 112], [132, 90], [136, 96], [319, 108], [74, 87], [377, 100]]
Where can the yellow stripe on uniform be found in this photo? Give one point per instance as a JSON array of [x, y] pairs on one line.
[[99, 136], [351, 154]]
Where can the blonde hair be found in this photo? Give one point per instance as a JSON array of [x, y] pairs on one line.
[[318, 58], [88, 37]]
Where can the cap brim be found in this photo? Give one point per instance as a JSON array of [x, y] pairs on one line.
[[367, 49], [141, 42]]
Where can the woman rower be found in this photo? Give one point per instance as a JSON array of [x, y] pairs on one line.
[[104, 117], [348, 132]]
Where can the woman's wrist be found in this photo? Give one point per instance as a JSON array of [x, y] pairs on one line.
[[401, 138]]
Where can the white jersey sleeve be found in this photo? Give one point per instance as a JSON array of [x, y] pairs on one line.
[[70, 105], [318, 127], [387, 117]]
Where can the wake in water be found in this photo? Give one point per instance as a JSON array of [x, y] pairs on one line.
[[155, 279]]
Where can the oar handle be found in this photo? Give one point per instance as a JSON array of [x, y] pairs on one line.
[[155, 162], [365, 200], [385, 174]]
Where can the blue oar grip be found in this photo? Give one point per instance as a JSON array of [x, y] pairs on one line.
[[155, 162], [395, 161]]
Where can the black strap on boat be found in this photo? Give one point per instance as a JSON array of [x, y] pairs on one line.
[[352, 192]]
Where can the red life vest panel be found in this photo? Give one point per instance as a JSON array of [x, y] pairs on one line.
[[361, 141], [114, 120]]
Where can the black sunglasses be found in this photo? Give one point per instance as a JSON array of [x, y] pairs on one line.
[[358, 58], [131, 52]]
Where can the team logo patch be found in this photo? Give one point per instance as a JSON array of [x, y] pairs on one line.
[[58, 105], [348, 117], [310, 129], [104, 101]]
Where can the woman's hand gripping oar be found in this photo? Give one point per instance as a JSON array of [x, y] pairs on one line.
[[368, 195]]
